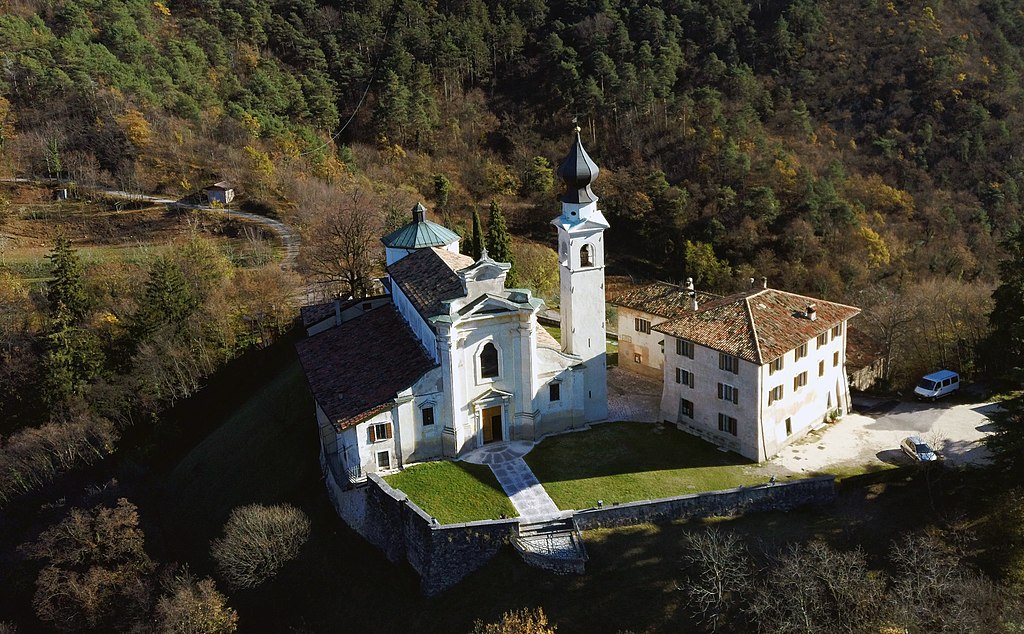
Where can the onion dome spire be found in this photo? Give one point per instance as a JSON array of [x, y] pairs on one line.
[[578, 171]]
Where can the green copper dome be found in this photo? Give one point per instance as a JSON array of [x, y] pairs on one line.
[[420, 233]]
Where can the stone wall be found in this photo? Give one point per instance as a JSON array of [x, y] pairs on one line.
[[767, 497], [442, 554]]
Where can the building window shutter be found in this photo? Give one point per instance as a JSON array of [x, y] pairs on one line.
[[719, 390], [373, 433], [388, 428]]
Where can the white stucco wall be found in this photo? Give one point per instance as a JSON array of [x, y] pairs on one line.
[[648, 345], [761, 428], [419, 326]]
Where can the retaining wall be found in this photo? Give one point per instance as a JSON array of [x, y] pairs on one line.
[[443, 554], [782, 496]]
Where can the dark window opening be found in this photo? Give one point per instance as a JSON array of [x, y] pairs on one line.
[[489, 361], [585, 255], [428, 415]]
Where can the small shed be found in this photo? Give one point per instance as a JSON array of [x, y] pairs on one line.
[[222, 192]]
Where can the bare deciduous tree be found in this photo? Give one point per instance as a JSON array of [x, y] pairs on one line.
[[342, 240], [720, 569], [258, 540]]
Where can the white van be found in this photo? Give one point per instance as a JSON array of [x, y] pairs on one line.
[[937, 384]]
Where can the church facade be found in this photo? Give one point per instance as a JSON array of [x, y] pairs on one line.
[[451, 359]]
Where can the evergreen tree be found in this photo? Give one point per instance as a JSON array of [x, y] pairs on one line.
[[442, 190], [476, 242], [499, 242], [168, 299], [66, 291], [73, 358], [1006, 343]]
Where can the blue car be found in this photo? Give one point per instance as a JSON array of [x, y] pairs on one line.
[[918, 449]]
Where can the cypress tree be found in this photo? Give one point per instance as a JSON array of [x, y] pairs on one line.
[[66, 291], [499, 242], [476, 242]]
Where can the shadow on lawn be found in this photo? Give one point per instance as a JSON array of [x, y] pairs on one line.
[[611, 449]]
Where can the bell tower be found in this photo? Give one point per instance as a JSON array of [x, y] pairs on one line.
[[581, 273]]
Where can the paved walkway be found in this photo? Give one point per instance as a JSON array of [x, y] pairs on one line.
[[523, 489], [632, 397]]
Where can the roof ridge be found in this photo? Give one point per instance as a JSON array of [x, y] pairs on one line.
[[753, 329]]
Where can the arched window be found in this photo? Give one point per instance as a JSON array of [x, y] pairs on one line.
[[585, 255], [489, 361]]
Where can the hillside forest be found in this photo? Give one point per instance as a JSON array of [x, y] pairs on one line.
[[861, 151]]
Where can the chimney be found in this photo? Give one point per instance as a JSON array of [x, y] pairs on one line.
[[692, 293], [764, 282], [812, 312]]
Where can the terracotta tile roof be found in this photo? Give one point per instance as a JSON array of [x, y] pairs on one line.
[[546, 339], [356, 369], [660, 298], [427, 277], [759, 325]]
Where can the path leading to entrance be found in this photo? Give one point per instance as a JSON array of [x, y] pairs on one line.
[[517, 480]]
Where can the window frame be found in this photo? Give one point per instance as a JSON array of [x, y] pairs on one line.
[[728, 424], [837, 331], [425, 414], [387, 460], [835, 359], [728, 363], [686, 408], [776, 393], [800, 351], [776, 365], [642, 325], [554, 391], [480, 361], [728, 392], [684, 377], [374, 429], [799, 381], [684, 348], [822, 340]]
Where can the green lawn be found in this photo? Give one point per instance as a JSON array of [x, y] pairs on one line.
[[454, 492], [625, 462], [264, 451]]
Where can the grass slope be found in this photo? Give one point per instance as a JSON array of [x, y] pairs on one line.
[[454, 492], [624, 462]]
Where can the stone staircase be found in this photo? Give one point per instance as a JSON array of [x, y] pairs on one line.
[[554, 545]]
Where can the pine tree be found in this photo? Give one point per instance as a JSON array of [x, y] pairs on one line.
[[476, 242], [73, 358], [499, 241], [66, 292], [1006, 343], [168, 299]]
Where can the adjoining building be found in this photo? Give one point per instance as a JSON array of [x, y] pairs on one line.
[[455, 359], [753, 372], [640, 310]]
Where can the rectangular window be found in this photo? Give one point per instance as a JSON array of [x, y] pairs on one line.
[[821, 368], [799, 381], [837, 330], [428, 415], [685, 408], [642, 325], [383, 460], [684, 348], [789, 426], [775, 366], [822, 340], [728, 393], [835, 359], [800, 352], [637, 358], [728, 363], [775, 394], [684, 377], [727, 424], [555, 392], [380, 431]]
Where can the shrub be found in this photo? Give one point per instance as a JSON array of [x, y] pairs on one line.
[[193, 607], [258, 540], [517, 622]]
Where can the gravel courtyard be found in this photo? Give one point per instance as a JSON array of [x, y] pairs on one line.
[[872, 434]]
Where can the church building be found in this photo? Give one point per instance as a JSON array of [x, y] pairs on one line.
[[452, 359]]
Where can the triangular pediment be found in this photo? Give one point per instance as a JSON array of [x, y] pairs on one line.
[[489, 305], [484, 269], [492, 395]]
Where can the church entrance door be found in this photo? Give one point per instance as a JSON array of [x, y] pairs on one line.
[[491, 421]]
